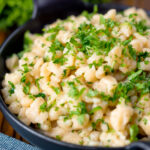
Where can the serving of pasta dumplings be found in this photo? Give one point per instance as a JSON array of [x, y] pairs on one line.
[[85, 80]]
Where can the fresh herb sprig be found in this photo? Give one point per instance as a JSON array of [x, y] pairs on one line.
[[14, 13]]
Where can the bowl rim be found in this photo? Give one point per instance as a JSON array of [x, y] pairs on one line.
[[6, 112]]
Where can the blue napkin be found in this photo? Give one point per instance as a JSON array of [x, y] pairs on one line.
[[9, 143]]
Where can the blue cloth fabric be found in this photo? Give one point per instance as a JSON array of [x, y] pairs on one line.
[[9, 143]]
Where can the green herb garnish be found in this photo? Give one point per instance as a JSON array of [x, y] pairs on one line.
[[92, 93], [95, 109], [134, 130], [40, 95], [26, 88], [12, 89]]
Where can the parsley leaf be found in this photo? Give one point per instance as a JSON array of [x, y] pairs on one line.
[[60, 60], [12, 89], [92, 93], [95, 109], [43, 107], [81, 119], [46, 59], [58, 137], [56, 89], [102, 19], [26, 68], [134, 75], [141, 26], [81, 109], [134, 130], [26, 88], [23, 78], [56, 45], [80, 112], [40, 95], [94, 124], [126, 42], [132, 52], [37, 82], [73, 92]]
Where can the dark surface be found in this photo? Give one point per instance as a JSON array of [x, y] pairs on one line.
[[49, 11]]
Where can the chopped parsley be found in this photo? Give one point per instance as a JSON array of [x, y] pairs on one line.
[[98, 64], [80, 112], [74, 92], [142, 55], [141, 27], [66, 118], [132, 52], [40, 95], [56, 89], [26, 68], [58, 137], [43, 107], [102, 19], [46, 59], [94, 124], [26, 88], [37, 82], [23, 78], [81, 119], [56, 46], [46, 108], [64, 72], [108, 69], [60, 60], [132, 15], [92, 93], [145, 121], [81, 142], [134, 75], [95, 109], [134, 130], [12, 89], [126, 42]]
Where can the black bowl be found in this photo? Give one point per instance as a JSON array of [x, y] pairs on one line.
[[45, 12]]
